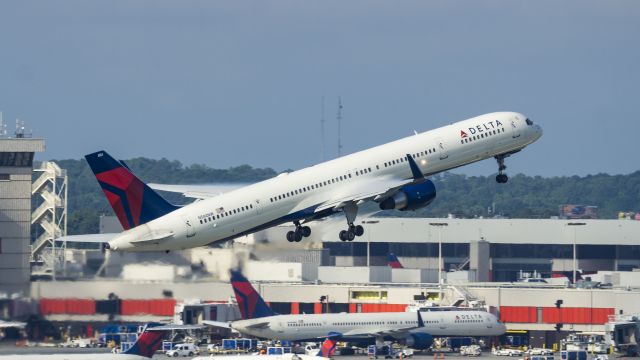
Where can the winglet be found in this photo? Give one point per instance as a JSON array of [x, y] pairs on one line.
[[420, 321], [328, 347], [415, 170]]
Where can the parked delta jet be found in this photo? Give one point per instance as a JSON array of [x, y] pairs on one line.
[[143, 349], [414, 329], [391, 175], [393, 261]]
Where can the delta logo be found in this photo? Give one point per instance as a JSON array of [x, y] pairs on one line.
[[488, 126]]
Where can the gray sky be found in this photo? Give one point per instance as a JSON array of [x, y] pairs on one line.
[[231, 82]]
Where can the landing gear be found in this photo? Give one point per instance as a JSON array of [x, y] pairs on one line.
[[350, 211], [299, 233], [351, 232], [501, 178]]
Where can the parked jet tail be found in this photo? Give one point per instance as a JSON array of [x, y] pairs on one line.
[[133, 201], [328, 347], [148, 342], [251, 304], [393, 262]]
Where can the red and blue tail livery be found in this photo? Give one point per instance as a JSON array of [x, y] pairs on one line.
[[251, 304], [133, 201], [148, 342], [328, 348], [393, 262]]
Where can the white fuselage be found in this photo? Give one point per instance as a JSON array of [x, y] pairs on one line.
[[294, 196], [312, 326]]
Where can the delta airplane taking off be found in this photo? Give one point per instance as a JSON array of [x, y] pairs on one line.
[[391, 175], [414, 329]]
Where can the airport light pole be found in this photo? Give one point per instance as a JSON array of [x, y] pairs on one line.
[[439, 225], [574, 224]]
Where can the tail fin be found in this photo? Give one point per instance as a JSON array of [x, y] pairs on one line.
[[328, 347], [148, 342], [249, 301], [133, 201], [393, 262]]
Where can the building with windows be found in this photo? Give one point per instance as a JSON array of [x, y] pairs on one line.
[[16, 166]]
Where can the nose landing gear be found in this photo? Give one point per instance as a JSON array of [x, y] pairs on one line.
[[501, 178]]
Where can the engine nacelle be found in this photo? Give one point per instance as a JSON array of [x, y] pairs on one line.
[[411, 197], [418, 341]]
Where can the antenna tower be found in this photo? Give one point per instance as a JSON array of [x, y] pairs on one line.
[[322, 121], [339, 118]]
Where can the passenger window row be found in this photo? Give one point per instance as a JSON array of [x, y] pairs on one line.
[[226, 213], [481, 136]]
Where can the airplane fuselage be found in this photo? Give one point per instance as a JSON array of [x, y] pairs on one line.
[[298, 195], [312, 326]]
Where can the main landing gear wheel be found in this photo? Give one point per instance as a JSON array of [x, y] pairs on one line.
[[299, 233], [350, 211], [501, 178]]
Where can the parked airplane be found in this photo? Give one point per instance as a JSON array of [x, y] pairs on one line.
[[415, 329], [393, 262], [147, 344], [391, 175]]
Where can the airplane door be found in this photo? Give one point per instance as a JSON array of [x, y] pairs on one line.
[[515, 130], [259, 206], [189, 225], [442, 150]]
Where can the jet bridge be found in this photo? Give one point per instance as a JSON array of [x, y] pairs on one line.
[[622, 332]]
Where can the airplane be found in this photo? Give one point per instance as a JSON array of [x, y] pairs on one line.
[[414, 329], [147, 344], [393, 262], [326, 351], [392, 176]]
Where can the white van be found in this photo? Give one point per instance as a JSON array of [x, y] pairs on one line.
[[183, 350]]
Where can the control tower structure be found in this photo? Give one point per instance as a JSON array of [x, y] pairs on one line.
[[16, 168]]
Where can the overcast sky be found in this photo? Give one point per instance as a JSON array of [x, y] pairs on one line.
[[234, 82]]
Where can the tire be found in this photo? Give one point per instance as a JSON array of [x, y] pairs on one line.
[[290, 236], [190, 353], [297, 236], [343, 235], [351, 235], [359, 230], [306, 231], [175, 354]]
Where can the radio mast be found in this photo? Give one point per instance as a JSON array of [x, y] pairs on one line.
[[339, 118]]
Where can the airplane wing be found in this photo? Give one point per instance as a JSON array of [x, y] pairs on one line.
[[89, 238], [381, 332], [378, 189], [198, 191], [218, 324]]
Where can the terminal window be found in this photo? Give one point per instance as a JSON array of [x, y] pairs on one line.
[[5, 177]]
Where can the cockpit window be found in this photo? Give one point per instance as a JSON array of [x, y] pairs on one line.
[[529, 122]]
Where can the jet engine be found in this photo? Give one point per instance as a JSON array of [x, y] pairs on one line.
[[418, 341], [411, 197]]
